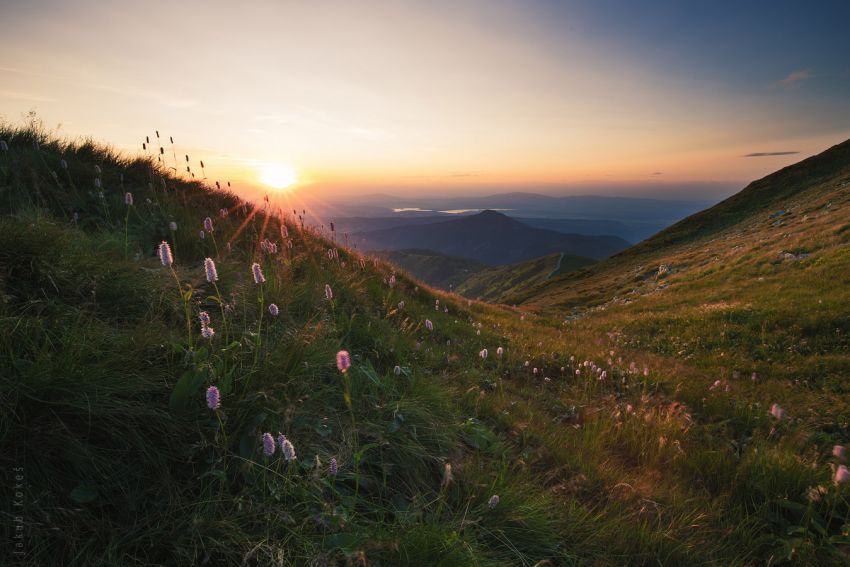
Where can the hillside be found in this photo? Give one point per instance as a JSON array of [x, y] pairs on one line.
[[496, 284], [490, 238], [433, 268], [761, 278], [478, 281], [128, 456], [629, 434]]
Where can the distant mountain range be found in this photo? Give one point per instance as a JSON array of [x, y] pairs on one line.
[[489, 237], [632, 219], [628, 210], [632, 231]]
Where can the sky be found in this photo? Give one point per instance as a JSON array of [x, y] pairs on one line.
[[686, 100]]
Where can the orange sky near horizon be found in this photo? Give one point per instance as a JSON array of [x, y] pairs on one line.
[[402, 98]]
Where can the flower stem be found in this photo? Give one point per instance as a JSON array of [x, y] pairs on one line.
[[223, 317], [347, 396], [186, 308], [126, 223], [259, 325]]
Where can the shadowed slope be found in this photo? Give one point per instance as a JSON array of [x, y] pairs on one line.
[[491, 238]]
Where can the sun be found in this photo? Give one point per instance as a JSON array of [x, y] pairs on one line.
[[277, 175]]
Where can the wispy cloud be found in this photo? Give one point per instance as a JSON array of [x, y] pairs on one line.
[[26, 96], [154, 96], [656, 173], [314, 119], [795, 77], [766, 154]]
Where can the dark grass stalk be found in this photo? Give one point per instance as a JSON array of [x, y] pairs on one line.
[[346, 380], [101, 197], [224, 320], [174, 153], [174, 239], [225, 449], [126, 229], [258, 344], [185, 297], [6, 167], [215, 245]]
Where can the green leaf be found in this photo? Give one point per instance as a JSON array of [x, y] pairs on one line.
[[370, 373], [479, 437], [396, 423], [186, 388], [22, 364], [358, 456], [322, 429], [216, 473], [226, 382], [839, 540], [84, 494], [249, 440], [346, 543], [791, 505], [202, 354]]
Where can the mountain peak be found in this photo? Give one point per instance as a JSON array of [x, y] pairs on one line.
[[490, 213]]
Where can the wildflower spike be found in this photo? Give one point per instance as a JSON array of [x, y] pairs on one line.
[[268, 444], [213, 398], [209, 268], [343, 361], [842, 475], [165, 254], [288, 450], [259, 278]]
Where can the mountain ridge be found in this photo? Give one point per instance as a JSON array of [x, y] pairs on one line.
[[489, 237], [767, 206]]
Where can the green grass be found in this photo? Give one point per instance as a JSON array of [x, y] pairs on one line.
[[435, 269], [103, 399], [501, 283]]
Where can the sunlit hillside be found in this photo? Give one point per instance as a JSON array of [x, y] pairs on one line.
[[171, 415], [501, 283], [758, 283]]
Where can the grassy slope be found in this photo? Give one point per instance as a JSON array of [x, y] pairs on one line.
[[496, 284], [102, 402], [799, 189], [761, 278], [439, 270]]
